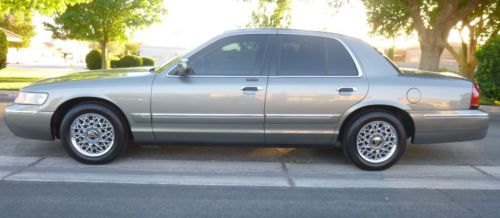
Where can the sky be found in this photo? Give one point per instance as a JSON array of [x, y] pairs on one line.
[[191, 22]]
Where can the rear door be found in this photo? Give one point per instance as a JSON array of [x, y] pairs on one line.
[[314, 82]]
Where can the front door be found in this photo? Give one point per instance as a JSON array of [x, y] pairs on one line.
[[314, 83], [221, 99]]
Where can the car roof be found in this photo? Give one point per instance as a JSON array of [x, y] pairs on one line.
[[284, 31]]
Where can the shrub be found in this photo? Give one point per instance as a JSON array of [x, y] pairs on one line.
[[114, 63], [129, 61], [3, 50], [147, 61], [93, 60], [488, 71]]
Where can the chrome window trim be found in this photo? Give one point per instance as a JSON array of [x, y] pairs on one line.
[[333, 36]]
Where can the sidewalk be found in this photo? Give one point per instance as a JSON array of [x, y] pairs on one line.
[[234, 173], [490, 109]]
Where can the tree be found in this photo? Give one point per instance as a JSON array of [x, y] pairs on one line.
[[105, 21], [488, 71], [46, 7], [15, 15], [278, 13], [3, 50], [431, 19], [482, 23], [390, 53], [20, 23], [272, 13]]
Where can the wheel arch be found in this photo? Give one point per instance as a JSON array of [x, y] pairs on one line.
[[62, 109], [398, 112]]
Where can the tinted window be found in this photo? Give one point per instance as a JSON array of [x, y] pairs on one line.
[[338, 59], [314, 56], [234, 55], [302, 55]]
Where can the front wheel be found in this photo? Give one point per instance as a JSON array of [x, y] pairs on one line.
[[93, 133], [375, 140]]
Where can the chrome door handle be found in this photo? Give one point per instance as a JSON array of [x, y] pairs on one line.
[[251, 88], [346, 89]]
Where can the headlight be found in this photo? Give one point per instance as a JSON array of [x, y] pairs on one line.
[[31, 98]]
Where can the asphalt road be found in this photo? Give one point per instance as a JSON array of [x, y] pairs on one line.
[[125, 200], [451, 179]]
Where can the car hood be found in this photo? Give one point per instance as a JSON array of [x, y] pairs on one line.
[[96, 74]]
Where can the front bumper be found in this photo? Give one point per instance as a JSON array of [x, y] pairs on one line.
[[28, 121], [449, 126]]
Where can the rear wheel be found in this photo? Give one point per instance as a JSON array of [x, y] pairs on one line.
[[375, 140], [93, 133]]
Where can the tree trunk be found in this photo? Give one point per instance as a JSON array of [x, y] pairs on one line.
[[468, 69], [104, 45], [431, 48], [433, 39]]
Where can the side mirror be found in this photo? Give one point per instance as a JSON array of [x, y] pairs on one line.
[[152, 70], [182, 68]]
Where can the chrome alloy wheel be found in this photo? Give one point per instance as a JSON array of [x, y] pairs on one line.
[[92, 134], [377, 141]]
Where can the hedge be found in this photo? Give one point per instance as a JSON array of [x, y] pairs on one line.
[[127, 61], [147, 61], [93, 60], [114, 63], [488, 71]]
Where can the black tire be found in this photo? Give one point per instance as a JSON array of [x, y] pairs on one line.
[[120, 129], [350, 140]]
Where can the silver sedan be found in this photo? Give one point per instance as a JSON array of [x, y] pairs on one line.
[[268, 87]]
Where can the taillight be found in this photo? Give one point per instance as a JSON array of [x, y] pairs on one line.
[[474, 101]]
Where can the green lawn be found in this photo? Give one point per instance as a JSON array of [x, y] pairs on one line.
[[14, 78]]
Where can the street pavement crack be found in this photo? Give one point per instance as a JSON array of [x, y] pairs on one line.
[[22, 169], [291, 183], [485, 173]]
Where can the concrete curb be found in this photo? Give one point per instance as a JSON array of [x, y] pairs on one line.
[[222, 173]]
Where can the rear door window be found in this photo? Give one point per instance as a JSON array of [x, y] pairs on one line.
[[302, 56], [339, 61], [314, 56]]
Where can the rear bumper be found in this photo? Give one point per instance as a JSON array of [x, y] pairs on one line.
[[449, 126], [27, 121]]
